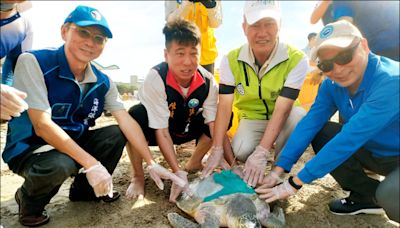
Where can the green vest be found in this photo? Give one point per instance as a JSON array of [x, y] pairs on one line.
[[255, 98]]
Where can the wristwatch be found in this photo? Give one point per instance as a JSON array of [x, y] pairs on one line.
[[294, 185]]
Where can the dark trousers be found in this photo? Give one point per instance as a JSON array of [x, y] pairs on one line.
[[45, 172], [196, 129], [351, 176]]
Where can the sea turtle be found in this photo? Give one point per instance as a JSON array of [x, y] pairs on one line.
[[224, 199]]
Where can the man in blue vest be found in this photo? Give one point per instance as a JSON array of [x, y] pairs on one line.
[[178, 104], [364, 88], [262, 79], [51, 140]]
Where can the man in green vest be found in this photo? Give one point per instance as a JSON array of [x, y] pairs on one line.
[[262, 79]]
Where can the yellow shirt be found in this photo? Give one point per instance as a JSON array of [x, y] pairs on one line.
[[205, 19]]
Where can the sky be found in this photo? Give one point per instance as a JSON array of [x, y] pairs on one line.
[[138, 42]]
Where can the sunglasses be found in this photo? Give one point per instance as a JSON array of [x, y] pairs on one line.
[[342, 58], [86, 34]]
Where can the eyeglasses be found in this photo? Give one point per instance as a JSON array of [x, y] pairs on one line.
[[342, 58], [86, 34]]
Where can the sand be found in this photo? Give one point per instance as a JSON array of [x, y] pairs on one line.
[[308, 208]]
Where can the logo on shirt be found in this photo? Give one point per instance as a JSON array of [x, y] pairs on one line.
[[240, 89], [193, 103], [93, 111], [172, 108], [274, 95]]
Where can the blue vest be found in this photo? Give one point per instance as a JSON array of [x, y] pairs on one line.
[[182, 111], [72, 110]]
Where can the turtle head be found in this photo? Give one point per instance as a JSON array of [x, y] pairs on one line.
[[189, 204], [249, 220]]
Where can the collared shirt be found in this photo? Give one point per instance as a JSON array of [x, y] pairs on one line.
[[294, 80], [371, 120], [249, 55], [153, 96]]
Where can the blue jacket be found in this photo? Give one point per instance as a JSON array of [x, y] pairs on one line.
[[72, 110], [371, 120]]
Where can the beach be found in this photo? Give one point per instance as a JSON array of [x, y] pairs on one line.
[[308, 208]]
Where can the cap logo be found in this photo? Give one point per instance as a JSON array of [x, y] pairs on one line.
[[96, 15], [326, 32]]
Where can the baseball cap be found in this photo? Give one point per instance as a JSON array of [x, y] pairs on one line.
[[257, 10], [339, 34], [87, 16]]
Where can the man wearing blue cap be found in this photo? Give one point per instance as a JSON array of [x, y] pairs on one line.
[[51, 140]]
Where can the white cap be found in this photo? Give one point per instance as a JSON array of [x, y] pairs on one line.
[[257, 10], [339, 34]]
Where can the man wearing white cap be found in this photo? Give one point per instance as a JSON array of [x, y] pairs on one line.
[[262, 79], [364, 88], [51, 141]]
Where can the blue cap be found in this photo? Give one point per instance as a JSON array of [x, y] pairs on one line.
[[87, 16]]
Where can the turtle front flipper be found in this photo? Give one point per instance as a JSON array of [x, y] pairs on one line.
[[207, 217], [178, 221]]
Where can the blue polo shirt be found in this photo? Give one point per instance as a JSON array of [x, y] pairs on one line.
[[371, 120]]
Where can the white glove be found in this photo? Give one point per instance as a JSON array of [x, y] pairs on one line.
[[157, 172], [12, 103], [281, 191], [100, 180], [175, 189], [238, 170], [215, 158], [271, 180], [255, 165]]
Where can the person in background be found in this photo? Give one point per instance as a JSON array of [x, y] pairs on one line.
[[178, 104], [262, 79], [207, 15], [364, 88], [51, 140], [310, 45], [323, 12], [16, 36], [377, 21]]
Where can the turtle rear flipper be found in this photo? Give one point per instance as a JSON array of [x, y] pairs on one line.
[[276, 218], [178, 221]]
